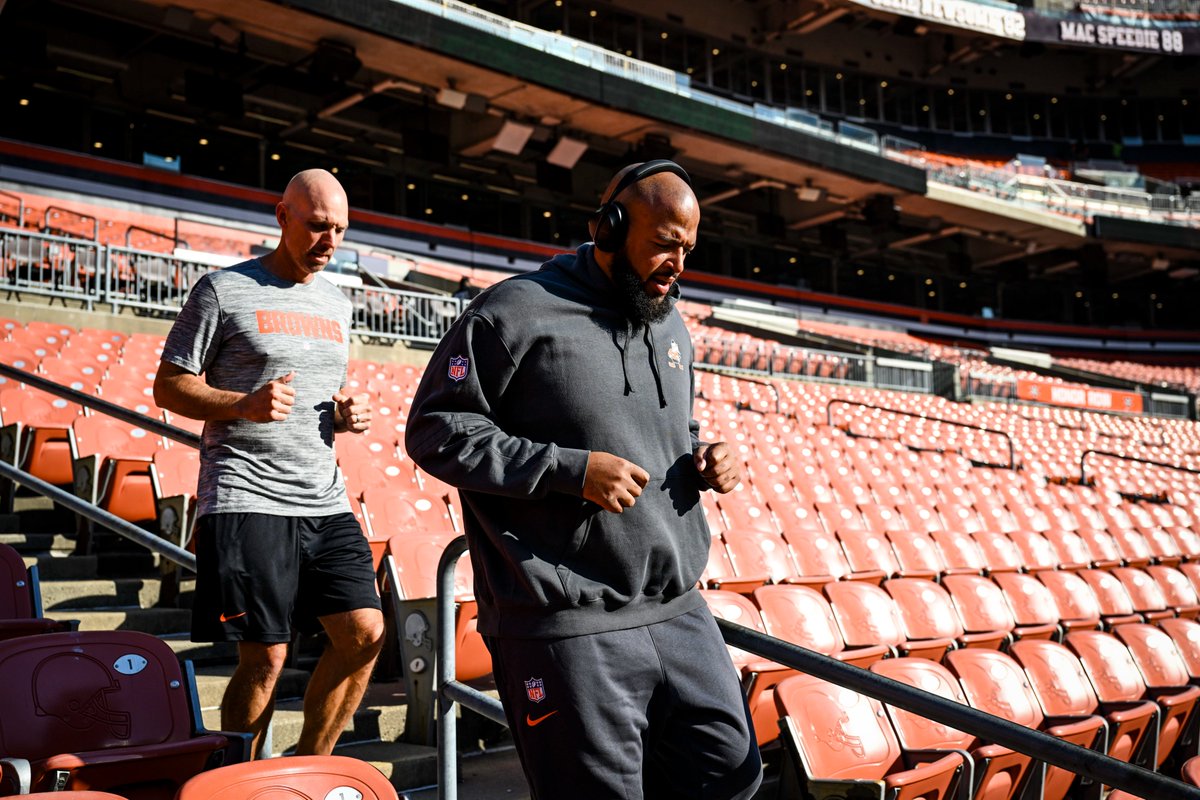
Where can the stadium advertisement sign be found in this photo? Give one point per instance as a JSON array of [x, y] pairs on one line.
[[1000, 19], [1142, 34], [1089, 397]]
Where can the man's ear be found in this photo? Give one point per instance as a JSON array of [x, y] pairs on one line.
[[281, 211]]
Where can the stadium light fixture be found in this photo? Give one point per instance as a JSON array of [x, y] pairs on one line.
[[567, 152], [512, 138], [452, 98]]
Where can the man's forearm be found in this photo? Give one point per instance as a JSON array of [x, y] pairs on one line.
[[189, 396]]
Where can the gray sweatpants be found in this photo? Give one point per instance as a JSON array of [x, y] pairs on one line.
[[653, 712]]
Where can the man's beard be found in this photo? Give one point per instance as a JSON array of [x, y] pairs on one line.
[[639, 306]]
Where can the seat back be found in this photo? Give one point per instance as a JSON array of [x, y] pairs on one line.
[[1186, 635], [15, 599], [1109, 666], [737, 609], [994, 683], [1074, 598], [999, 551], [915, 731], [1113, 597], [1144, 591], [926, 610], [305, 778], [1156, 655], [1028, 598], [842, 735], [176, 471], [106, 436], [979, 602], [800, 615], [865, 613], [1057, 677], [759, 553], [92, 690]]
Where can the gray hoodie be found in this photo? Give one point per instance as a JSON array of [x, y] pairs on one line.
[[540, 370]]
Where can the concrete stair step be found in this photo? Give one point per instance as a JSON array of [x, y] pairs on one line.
[[405, 765], [36, 543], [212, 680], [63, 567], [371, 723], [100, 594], [148, 620]]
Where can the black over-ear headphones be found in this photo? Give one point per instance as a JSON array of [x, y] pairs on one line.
[[611, 220]]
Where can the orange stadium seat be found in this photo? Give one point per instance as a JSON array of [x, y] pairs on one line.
[[42, 438], [993, 682], [305, 778], [997, 773], [1116, 678], [103, 710], [1062, 687], [759, 555], [1144, 592], [930, 622], [839, 740], [111, 465], [415, 556], [1032, 605], [866, 615], [801, 615], [1116, 606]]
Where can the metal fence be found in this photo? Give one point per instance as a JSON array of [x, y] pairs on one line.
[[392, 314], [155, 283], [779, 360], [55, 266]]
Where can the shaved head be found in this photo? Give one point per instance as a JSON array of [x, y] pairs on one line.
[[313, 183], [313, 215], [660, 192]]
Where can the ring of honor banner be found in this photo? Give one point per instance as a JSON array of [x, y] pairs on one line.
[[1104, 32], [1075, 396]]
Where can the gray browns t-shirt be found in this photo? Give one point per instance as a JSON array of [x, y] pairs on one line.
[[241, 327]]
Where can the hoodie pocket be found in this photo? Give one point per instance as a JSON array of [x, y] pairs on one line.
[[657, 548]]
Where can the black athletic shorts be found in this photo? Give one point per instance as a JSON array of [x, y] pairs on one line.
[[261, 576]]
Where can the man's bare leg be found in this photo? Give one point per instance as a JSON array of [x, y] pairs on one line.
[[341, 676], [249, 699]]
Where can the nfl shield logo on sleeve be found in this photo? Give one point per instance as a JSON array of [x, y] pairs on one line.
[[458, 367], [535, 689]]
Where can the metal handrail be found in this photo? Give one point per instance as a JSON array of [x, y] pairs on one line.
[[95, 221], [1012, 452], [20, 207], [168, 550], [1052, 750], [98, 404], [1123, 457]]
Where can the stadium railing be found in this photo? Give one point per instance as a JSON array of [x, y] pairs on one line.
[[450, 693], [149, 282]]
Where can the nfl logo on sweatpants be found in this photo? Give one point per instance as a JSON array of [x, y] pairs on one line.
[[535, 690], [458, 367]]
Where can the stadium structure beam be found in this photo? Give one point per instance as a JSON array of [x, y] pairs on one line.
[[762, 183]]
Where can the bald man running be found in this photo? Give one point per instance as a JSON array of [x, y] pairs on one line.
[[259, 352], [560, 405]]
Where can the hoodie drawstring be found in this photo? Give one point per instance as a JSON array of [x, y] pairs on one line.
[[623, 348], [649, 339]]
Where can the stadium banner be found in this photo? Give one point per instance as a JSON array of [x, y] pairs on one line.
[[1075, 396], [998, 19], [1106, 32]]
